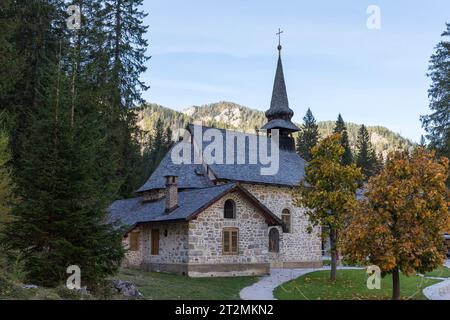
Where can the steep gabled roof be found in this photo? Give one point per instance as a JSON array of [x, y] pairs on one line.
[[191, 203], [291, 168], [189, 175]]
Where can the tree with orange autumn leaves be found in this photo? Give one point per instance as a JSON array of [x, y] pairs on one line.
[[329, 191], [400, 222]]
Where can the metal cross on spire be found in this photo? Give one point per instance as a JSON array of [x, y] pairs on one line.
[[279, 38]]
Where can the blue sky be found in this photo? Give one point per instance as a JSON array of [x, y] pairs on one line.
[[209, 51]]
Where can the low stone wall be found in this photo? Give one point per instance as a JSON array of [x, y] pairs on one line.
[[228, 270], [176, 268]]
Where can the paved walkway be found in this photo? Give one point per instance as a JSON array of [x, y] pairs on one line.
[[439, 291], [263, 289]]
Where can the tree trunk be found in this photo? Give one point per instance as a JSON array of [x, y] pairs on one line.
[[396, 284], [333, 253]]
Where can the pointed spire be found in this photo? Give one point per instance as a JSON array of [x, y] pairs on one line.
[[279, 114], [279, 105]]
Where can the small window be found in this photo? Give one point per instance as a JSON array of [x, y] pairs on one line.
[[229, 209], [274, 240], [230, 240], [286, 218], [134, 240], [155, 242]]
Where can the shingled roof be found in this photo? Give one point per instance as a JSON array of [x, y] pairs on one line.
[[131, 212], [291, 168], [280, 123], [189, 175]]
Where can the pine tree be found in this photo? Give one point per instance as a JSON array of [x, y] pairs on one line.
[[347, 157], [308, 136], [365, 158], [437, 123]]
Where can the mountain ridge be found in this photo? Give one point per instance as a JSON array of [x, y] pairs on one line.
[[231, 115]]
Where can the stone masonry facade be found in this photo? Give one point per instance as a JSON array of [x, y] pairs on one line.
[[194, 247], [205, 241], [298, 248]]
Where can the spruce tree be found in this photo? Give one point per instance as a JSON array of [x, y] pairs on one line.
[[66, 178], [308, 136], [6, 185], [10, 59], [436, 124], [60, 220], [32, 33], [123, 24], [347, 157], [365, 157]]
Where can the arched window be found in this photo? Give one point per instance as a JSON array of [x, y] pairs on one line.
[[229, 211], [274, 240], [286, 218]]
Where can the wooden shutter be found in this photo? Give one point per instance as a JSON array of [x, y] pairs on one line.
[[230, 241], [155, 242], [234, 241], [134, 241]]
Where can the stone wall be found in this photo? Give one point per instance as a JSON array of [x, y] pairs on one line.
[[173, 247], [205, 241], [132, 258], [297, 247], [173, 242]]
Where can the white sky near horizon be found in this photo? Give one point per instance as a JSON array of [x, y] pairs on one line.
[[209, 51]]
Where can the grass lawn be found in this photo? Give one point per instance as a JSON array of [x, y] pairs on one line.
[[350, 285], [442, 272], [156, 286]]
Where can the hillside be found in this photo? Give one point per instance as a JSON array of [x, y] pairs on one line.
[[234, 116]]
